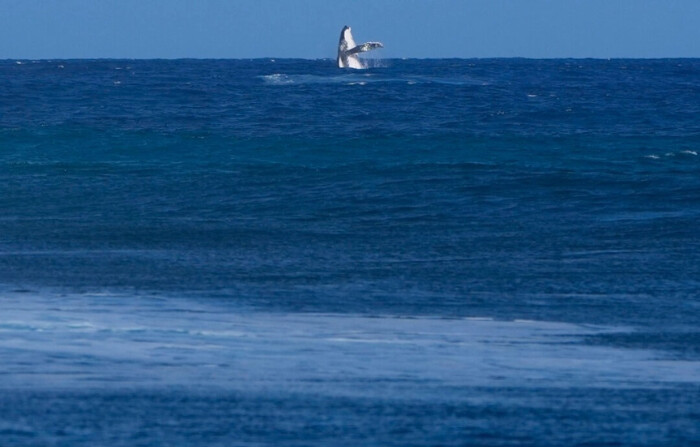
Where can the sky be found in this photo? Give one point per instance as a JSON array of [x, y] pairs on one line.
[[57, 29]]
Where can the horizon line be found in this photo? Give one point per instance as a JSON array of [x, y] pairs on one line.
[[274, 59]]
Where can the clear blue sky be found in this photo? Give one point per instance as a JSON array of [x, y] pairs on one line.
[[36, 29]]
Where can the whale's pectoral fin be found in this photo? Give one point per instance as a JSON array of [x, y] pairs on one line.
[[367, 46]]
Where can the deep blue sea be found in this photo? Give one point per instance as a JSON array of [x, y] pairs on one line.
[[487, 252]]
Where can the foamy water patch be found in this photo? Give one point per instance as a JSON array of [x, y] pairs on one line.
[[364, 78], [137, 341], [277, 79], [302, 79], [686, 153]]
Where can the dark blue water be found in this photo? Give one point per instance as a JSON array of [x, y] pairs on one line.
[[279, 252]]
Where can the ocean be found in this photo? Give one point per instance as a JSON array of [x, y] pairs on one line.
[[277, 252]]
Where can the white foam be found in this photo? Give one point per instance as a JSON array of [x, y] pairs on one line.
[[277, 79], [360, 78], [137, 341]]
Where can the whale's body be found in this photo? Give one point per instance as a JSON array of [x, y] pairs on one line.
[[348, 50]]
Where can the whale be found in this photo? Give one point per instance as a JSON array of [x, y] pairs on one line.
[[348, 50]]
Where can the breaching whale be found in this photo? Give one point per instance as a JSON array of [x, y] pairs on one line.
[[348, 51]]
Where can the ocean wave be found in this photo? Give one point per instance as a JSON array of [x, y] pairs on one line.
[[671, 154], [365, 78]]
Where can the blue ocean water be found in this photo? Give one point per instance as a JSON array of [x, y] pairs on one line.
[[279, 252]]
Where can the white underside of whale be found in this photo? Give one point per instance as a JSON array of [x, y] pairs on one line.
[[348, 51]]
